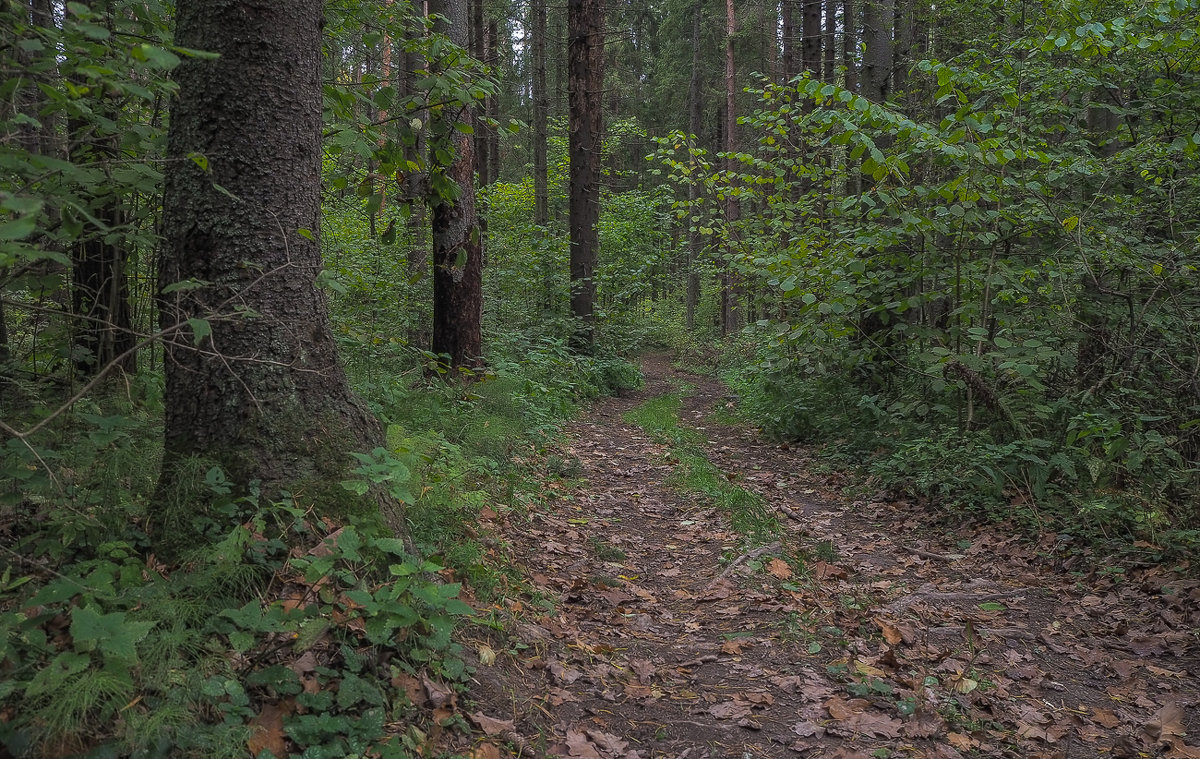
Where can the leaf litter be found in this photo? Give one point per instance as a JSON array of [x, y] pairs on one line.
[[653, 635]]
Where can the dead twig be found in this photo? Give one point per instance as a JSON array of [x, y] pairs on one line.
[[747, 557]]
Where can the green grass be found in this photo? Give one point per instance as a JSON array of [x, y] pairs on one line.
[[695, 474]]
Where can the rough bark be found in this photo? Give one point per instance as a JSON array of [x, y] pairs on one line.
[[414, 189], [480, 51], [812, 37], [263, 396], [695, 246], [830, 58], [850, 44], [730, 317], [541, 109], [493, 107], [457, 238], [585, 53], [877, 57], [905, 45], [788, 19]]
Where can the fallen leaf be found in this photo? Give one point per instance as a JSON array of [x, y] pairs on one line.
[[267, 729], [486, 751], [891, 633], [411, 687], [439, 695], [1167, 722], [808, 729], [579, 745], [1105, 718], [491, 725], [873, 724], [923, 725], [960, 741], [779, 568], [840, 709]]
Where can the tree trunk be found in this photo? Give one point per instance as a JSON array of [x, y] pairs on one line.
[[904, 45], [877, 58], [457, 238], [850, 44], [479, 50], [493, 107], [812, 37], [692, 296], [415, 184], [253, 382], [541, 108], [830, 39], [788, 13], [729, 302], [585, 46]]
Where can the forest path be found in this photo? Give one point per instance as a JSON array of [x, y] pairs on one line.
[[883, 636]]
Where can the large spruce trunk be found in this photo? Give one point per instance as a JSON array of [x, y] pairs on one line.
[[263, 395]]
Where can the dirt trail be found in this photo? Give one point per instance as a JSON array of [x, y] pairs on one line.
[[899, 639]]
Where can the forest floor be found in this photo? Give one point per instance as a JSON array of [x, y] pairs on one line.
[[866, 629]]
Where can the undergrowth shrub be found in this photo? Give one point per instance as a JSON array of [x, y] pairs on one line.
[[116, 654]]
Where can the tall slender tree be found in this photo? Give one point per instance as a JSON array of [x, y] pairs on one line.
[[730, 317], [254, 384], [541, 108], [585, 46], [457, 238], [695, 246]]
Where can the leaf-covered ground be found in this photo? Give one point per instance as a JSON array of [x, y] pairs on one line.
[[860, 628]]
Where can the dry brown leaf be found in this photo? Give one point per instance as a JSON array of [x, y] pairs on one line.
[[579, 745], [779, 568], [960, 741], [891, 633], [840, 709], [873, 724], [486, 751], [808, 729], [734, 647], [824, 571], [924, 725], [267, 729], [1177, 749], [608, 742], [491, 725], [439, 695], [1167, 722], [730, 710], [411, 687], [1105, 718]]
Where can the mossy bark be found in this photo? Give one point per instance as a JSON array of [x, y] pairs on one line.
[[254, 383]]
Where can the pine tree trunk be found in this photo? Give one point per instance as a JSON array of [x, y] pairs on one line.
[[692, 297], [730, 316], [479, 50], [457, 238], [541, 108], [830, 39], [585, 46], [877, 58], [788, 22], [254, 384]]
